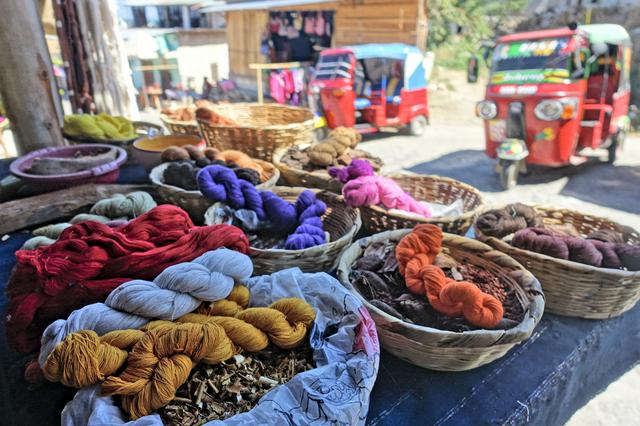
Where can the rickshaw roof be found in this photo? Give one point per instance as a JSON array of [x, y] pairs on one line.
[[607, 33], [398, 51]]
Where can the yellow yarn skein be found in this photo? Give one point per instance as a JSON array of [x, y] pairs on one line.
[[237, 301]]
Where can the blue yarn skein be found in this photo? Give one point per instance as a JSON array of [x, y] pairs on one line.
[[310, 230]]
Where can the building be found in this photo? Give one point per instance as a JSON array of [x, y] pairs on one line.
[[294, 30]]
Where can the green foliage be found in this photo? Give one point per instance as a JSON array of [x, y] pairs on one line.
[[478, 19]]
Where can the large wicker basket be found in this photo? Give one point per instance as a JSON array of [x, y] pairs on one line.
[[177, 127], [261, 129], [445, 350], [317, 179], [342, 223], [574, 289], [192, 201], [431, 188]]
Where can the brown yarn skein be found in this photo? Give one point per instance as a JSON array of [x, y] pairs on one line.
[[174, 153], [501, 222]]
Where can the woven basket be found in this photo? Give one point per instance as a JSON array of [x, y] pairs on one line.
[[177, 127], [342, 223], [317, 179], [262, 129], [574, 289], [445, 350], [192, 201], [431, 188]]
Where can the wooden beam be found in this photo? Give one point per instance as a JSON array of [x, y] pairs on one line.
[[27, 84], [49, 207]]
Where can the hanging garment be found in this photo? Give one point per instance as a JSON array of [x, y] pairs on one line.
[[289, 87], [298, 80], [309, 24], [320, 25], [277, 87]]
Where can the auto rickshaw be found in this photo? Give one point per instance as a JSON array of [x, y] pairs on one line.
[[556, 96], [371, 86]]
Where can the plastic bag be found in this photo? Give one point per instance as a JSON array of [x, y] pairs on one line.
[[345, 351]]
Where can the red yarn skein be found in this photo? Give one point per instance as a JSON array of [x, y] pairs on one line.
[[90, 259]]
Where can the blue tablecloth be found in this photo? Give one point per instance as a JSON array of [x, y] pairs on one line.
[[542, 381]]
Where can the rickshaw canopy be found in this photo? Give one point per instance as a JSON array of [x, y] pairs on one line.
[[607, 33]]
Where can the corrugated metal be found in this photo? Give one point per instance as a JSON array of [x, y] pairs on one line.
[[258, 5]]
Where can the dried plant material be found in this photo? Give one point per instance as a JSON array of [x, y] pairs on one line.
[[297, 158], [216, 392]]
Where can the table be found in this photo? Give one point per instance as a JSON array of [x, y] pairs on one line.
[[541, 382]]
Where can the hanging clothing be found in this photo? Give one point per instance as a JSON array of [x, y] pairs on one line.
[[277, 87]]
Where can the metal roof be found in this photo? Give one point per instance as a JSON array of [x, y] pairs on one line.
[[607, 33], [257, 5]]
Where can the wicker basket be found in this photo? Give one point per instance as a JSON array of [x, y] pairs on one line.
[[445, 350], [192, 201], [177, 127], [317, 179], [262, 129], [342, 223], [431, 188], [574, 289]]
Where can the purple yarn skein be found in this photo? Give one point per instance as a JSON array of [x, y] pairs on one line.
[[357, 168]]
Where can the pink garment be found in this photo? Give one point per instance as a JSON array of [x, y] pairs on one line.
[[320, 25], [309, 25], [373, 190], [277, 87]]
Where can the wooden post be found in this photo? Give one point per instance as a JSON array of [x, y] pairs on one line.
[[259, 81], [27, 85]]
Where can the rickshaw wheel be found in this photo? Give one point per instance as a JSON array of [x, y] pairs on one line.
[[617, 141], [418, 125], [508, 173]]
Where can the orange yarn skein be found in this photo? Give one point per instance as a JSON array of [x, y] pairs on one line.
[[415, 254], [241, 160]]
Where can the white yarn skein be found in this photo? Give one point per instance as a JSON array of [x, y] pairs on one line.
[[177, 291]]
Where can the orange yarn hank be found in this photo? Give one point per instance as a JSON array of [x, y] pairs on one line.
[[416, 253]]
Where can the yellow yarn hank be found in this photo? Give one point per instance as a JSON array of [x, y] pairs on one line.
[[101, 126], [161, 362], [91, 359], [237, 301]]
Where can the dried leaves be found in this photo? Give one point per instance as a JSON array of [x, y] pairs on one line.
[[215, 392]]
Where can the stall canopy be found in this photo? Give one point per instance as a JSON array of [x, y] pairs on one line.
[[208, 7]]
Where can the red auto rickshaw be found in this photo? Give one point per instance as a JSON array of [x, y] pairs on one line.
[[555, 96], [372, 86]]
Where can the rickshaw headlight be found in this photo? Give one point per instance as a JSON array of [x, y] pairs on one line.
[[486, 109], [548, 110]]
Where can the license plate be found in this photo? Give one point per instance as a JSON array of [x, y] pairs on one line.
[[497, 130]]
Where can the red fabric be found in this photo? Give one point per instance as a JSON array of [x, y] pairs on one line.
[[90, 259]]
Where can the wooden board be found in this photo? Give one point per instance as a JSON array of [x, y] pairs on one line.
[[49, 207]]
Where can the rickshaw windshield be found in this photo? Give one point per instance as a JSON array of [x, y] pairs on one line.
[[330, 67], [529, 55]]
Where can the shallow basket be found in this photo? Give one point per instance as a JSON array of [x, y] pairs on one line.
[[342, 223], [177, 127], [431, 188], [192, 201], [575, 289], [317, 179], [260, 130], [446, 350]]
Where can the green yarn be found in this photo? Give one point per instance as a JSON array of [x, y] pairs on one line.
[[51, 231], [130, 206], [35, 242]]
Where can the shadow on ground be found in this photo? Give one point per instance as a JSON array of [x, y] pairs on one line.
[[615, 187]]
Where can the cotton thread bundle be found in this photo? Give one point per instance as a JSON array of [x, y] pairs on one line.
[[235, 302], [161, 358], [303, 220], [354, 170], [592, 252], [502, 222], [416, 253], [374, 190], [177, 291], [90, 259]]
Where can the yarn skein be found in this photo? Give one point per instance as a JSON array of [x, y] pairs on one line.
[[373, 190], [505, 221], [357, 168], [416, 253], [178, 290], [303, 220], [90, 259], [162, 357], [594, 252]]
